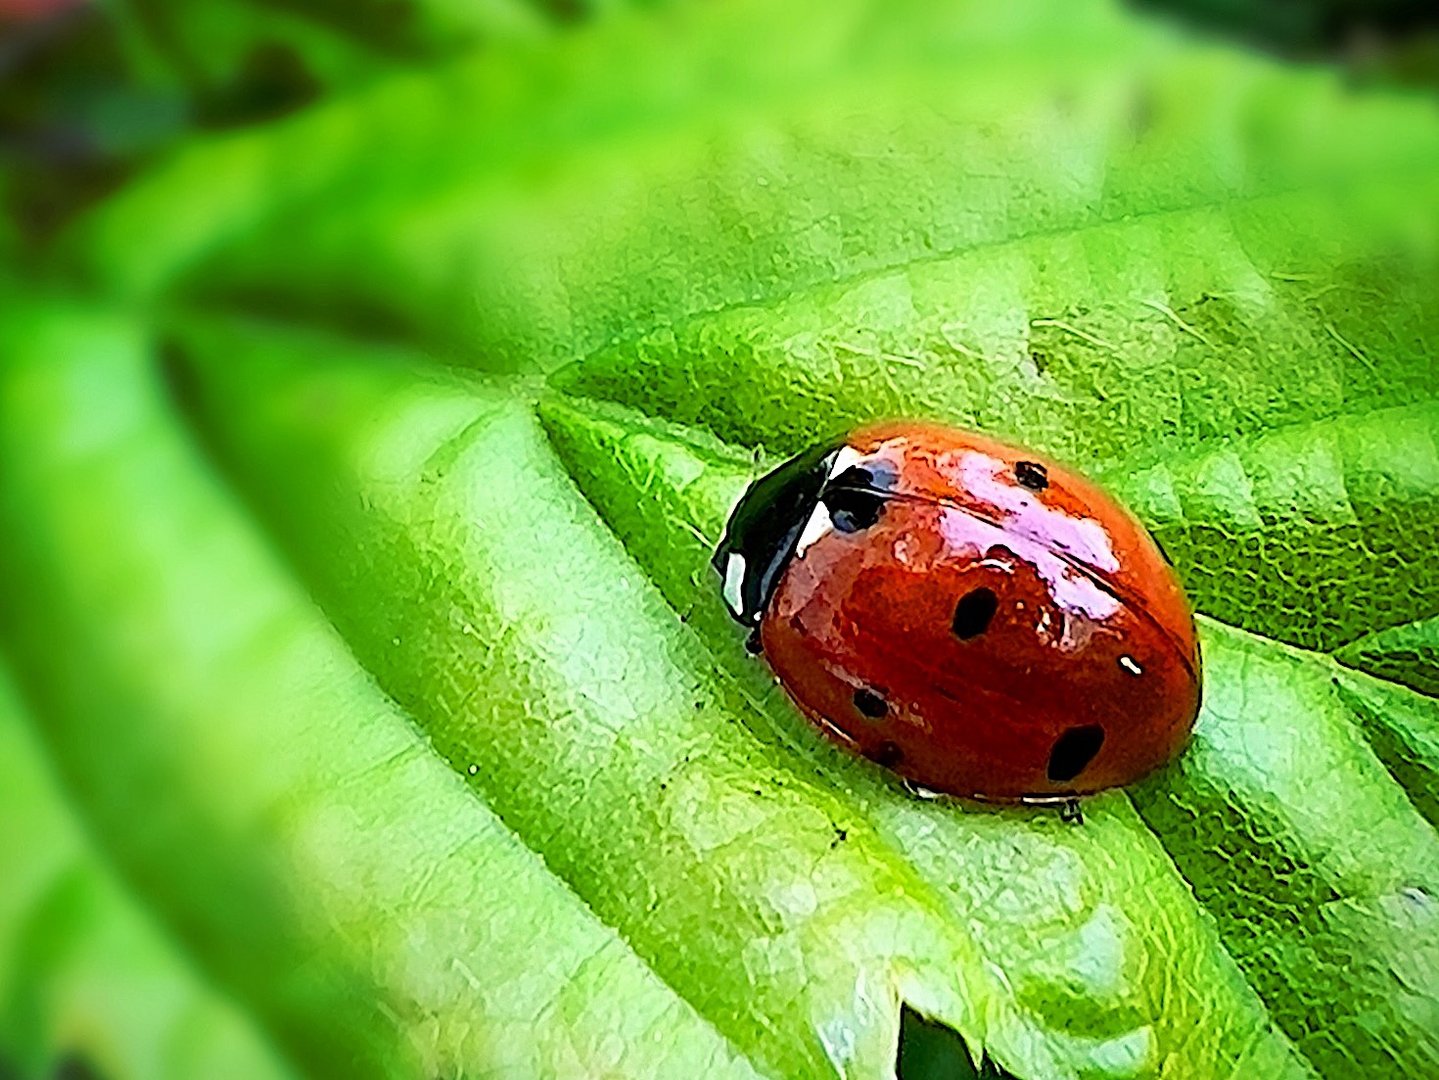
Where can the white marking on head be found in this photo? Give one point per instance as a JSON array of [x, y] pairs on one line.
[[816, 527], [845, 457], [734, 581]]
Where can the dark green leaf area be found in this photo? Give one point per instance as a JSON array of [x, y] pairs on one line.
[[1403, 729], [1406, 653], [932, 1052], [1280, 811], [1308, 533]]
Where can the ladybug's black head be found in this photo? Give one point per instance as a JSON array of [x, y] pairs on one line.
[[766, 525], [764, 529]]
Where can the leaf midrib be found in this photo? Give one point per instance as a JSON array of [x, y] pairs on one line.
[[723, 673]]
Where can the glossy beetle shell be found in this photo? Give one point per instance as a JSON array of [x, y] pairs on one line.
[[973, 616]]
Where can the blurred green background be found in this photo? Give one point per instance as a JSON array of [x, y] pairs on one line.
[[376, 377]]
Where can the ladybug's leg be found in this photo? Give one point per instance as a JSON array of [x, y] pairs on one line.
[[1070, 813], [753, 644]]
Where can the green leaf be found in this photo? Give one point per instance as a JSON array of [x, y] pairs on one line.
[[593, 199], [680, 127], [85, 975], [1307, 533], [1408, 653], [679, 246], [482, 527], [1296, 839], [224, 46], [247, 59], [235, 54], [1268, 819], [1403, 728], [258, 790]]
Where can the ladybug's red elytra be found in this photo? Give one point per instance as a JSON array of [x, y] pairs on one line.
[[984, 622]]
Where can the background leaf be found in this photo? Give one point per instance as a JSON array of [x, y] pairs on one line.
[[87, 981], [469, 773], [254, 784]]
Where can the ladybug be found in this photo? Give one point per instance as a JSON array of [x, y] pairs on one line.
[[978, 619]]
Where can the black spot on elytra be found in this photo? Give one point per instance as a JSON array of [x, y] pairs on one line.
[[1031, 474], [870, 704], [973, 613], [853, 509], [1073, 751], [887, 754]]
